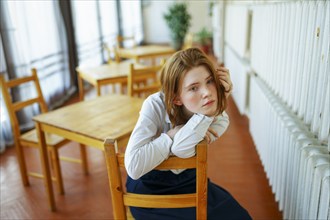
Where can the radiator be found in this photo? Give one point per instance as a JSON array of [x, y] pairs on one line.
[[297, 164], [289, 103], [290, 52]]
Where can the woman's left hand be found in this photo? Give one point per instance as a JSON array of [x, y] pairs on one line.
[[208, 136], [225, 80]]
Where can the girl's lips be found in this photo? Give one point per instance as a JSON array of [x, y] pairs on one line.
[[209, 103]]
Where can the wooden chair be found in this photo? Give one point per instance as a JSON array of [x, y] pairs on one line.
[[121, 199], [143, 82], [30, 139], [122, 40], [188, 41], [112, 53], [113, 61]]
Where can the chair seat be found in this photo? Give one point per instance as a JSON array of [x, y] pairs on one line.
[[51, 139]]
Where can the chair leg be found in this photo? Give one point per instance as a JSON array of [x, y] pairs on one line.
[[22, 164], [123, 88], [84, 160], [98, 90], [50, 156], [55, 160]]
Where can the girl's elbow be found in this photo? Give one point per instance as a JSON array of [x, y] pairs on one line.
[[131, 170], [133, 176], [132, 173]]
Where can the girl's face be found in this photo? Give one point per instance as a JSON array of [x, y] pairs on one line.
[[198, 92]]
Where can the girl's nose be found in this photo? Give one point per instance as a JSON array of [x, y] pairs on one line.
[[206, 91]]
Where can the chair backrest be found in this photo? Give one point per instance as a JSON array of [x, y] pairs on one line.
[[188, 41], [121, 199], [112, 52], [126, 41], [143, 81], [14, 107]]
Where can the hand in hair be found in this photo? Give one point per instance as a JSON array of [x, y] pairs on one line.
[[225, 80]]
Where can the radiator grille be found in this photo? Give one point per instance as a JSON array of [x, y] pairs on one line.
[[289, 106]]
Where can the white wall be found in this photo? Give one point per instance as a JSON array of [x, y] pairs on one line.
[[155, 27], [236, 28], [218, 30], [235, 51]]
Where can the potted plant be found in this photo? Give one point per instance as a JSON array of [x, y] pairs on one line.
[[178, 20], [204, 38]]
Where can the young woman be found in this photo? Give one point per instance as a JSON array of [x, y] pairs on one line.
[[189, 107]]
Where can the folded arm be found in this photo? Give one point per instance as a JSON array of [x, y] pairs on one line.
[[194, 131]]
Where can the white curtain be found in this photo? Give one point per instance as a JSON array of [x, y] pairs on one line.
[[87, 32], [131, 19], [33, 36], [109, 21], [97, 22], [6, 138], [37, 39]]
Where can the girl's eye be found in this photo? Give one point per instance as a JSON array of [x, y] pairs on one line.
[[194, 88], [210, 81]]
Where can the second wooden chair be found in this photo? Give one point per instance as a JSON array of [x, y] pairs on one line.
[[126, 41], [142, 82], [112, 54], [30, 139]]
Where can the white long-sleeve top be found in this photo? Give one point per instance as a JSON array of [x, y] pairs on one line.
[[149, 145]]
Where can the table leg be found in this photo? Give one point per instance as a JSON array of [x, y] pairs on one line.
[[45, 167], [83, 153], [81, 87], [98, 89]]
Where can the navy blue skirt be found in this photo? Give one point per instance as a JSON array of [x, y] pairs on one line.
[[220, 204]]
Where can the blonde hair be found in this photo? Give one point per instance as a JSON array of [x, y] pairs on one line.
[[172, 75]]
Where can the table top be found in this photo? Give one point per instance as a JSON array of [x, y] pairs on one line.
[[145, 51], [111, 116], [106, 71]]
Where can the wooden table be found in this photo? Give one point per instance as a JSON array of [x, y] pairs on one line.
[[88, 122], [147, 51], [103, 75]]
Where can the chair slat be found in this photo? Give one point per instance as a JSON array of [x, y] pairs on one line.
[[177, 163], [160, 201], [170, 163], [19, 105], [18, 81]]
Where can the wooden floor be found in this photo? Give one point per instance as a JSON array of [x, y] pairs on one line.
[[233, 163]]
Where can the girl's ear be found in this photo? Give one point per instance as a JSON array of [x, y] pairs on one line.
[[177, 101]]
